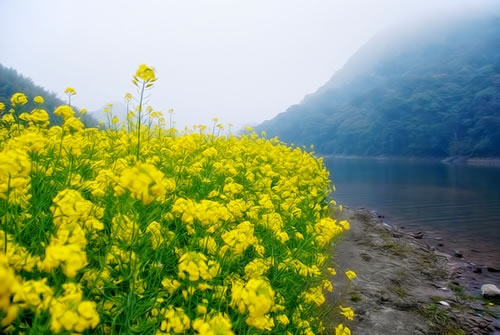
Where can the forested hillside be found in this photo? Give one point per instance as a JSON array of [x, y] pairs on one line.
[[430, 90], [12, 82]]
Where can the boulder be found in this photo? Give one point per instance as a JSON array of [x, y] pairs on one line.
[[490, 290], [419, 235]]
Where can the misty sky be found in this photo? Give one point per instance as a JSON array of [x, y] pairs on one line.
[[243, 61]]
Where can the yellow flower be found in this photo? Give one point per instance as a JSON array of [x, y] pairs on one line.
[[34, 293], [209, 244], [70, 91], [88, 318], [314, 295], [145, 182], [38, 99], [40, 116], [10, 315], [326, 229], [347, 312], [283, 319], [128, 97], [146, 73], [70, 313], [345, 224], [18, 100], [176, 321], [73, 123], [83, 111], [218, 324], [342, 330], [196, 266], [64, 111], [350, 274], [257, 268], [15, 182], [155, 230], [257, 298], [2, 106], [9, 285], [8, 118], [241, 238], [70, 207], [66, 249], [327, 285]]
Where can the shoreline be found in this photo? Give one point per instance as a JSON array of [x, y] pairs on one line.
[[478, 265], [405, 285]]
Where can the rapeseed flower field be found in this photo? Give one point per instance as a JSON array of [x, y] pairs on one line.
[[138, 228]]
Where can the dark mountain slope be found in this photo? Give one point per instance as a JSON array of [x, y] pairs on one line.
[[12, 82]]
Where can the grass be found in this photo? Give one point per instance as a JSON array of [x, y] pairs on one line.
[[442, 323]]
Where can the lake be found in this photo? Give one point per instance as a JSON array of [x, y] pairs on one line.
[[459, 203]]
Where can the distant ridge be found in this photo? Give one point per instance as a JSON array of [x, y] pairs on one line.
[[423, 91], [12, 82]]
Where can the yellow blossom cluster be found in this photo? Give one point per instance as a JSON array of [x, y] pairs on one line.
[[175, 321], [139, 228], [327, 228], [70, 312], [70, 91], [9, 285], [37, 117], [145, 182], [39, 100], [18, 100], [64, 111], [15, 177], [240, 238], [257, 298], [195, 265], [217, 324], [207, 213]]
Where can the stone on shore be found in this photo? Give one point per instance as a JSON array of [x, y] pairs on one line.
[[490, 290]]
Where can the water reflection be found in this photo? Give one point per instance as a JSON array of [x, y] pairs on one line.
[[460, 202]]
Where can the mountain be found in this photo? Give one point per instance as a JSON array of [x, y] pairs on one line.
[[428, 90], [12, 82]]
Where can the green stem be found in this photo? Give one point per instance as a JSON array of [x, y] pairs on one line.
[[139, 121], [60, 151], [126, 118]]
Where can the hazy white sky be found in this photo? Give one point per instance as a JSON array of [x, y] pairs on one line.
[[243, 61]]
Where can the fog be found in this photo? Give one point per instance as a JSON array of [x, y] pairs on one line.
[[240, 61]]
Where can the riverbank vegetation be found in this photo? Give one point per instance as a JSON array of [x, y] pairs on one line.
[[137, 228]]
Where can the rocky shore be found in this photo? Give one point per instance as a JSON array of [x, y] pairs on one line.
[[405, 285]]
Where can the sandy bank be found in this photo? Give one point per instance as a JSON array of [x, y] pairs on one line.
[[404, 285]]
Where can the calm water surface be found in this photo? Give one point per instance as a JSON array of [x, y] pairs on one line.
[[459, 203]]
